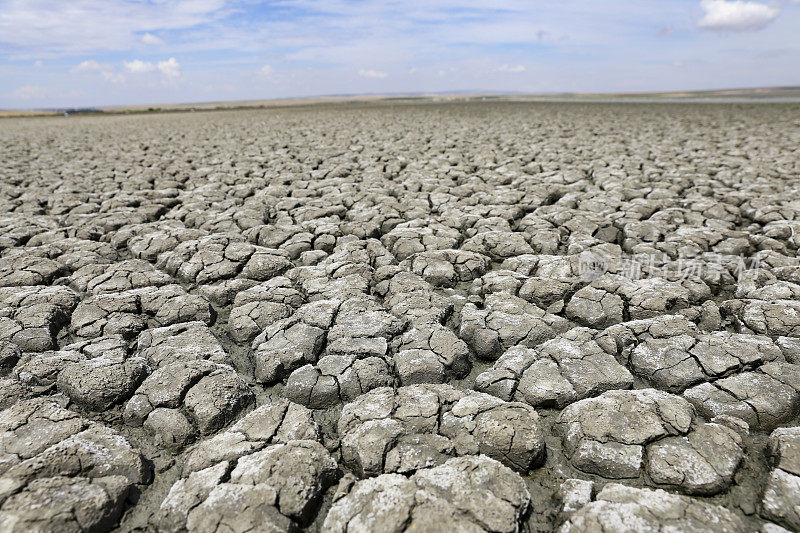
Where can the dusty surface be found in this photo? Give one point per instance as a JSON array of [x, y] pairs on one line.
[[489, 316]]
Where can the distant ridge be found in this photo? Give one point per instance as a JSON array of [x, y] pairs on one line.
[[756, 94]]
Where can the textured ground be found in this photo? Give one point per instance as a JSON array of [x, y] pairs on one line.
[[384, 318]]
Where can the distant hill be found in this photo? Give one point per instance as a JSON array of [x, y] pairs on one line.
[[759, 93], [765, 94]]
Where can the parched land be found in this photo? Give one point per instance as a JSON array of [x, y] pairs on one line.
[[425, 317]]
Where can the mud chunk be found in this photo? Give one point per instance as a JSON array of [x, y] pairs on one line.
[[30, 426], [606, 435], [224, 292], [186, 494], [108, 315], [265, 264], [547, 293], [65, 504], [500, 280], [464, 493], [280, 484], [558, 372], [422, 425], [418, 366], [288, 349], [356, 356], [498, 245], [364, 318], [279, 422], [216, 399], [41, 370], [337, 378], [171, 304], [208, 259], [779, 501], [506, 321], [784, 449], [298, 471], [149, 243], [574, 494], [703, 462], [613, 298], [170, 428], [287, 346], [102, 382], [775, 317], [595, 307], [231, 507], [675, 363], [58, 470], [204, 394], [409, 238], [763, 398], [119, 277], [260, 306], [445, 268], [185, 343], [12, 391], [790, 348], [94, 452], [618, 508], [127, 313], [410, 297], [31, 316], [25, 270], [441, 352]]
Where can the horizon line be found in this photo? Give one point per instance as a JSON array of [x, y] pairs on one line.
[[759, 92]]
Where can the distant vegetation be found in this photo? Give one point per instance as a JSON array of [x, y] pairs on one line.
[[765, 94]]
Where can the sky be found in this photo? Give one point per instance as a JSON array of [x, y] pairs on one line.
[[82, 53]]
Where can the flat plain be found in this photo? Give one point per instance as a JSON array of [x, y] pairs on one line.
[[484, 316]]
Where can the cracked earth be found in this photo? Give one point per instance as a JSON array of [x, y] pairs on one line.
[[433, 317]]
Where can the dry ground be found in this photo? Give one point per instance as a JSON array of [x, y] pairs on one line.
[[432, 317]]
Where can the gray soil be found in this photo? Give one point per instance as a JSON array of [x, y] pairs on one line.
[[423, 317]]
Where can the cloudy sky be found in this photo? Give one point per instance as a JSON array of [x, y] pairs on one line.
[[58, 53]]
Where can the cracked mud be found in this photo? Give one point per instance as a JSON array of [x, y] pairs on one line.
[[441, 317]]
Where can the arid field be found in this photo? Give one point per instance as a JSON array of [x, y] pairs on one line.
[[381, 317]]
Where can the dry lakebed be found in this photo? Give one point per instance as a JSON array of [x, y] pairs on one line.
[[483, 316]]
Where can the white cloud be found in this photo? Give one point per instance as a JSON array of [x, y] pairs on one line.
[[737, 15], [90, 65], [77, 26], [27, 92], [376, 74], [313, 52], [149, 38], [516, 69], [170, 68], [267, 70], [138, 66], [108, 72], [112, 77]]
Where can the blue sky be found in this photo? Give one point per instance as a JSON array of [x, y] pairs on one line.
[[59, 53]]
